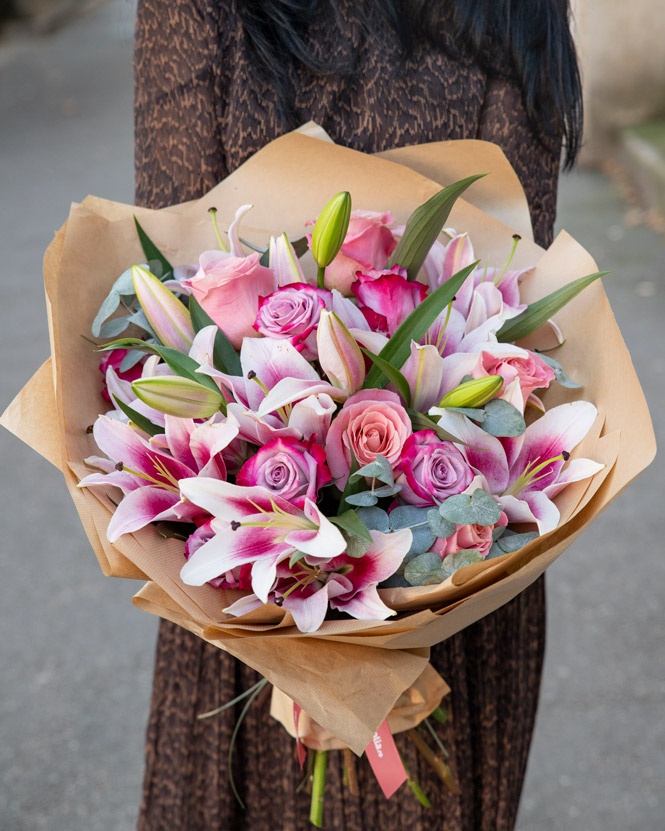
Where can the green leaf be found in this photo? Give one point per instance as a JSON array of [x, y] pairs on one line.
[[502, 419], [542, 310], [356, 546], [352, 487], [152, 252], [380, 469], [141, 421], [453, 562], [474, 413], [225, 358], [398, 348], [424, 226], [366, 499], [478, 509], [181, 364], [439, 526], [559, 372], [424, 570], [387, 490], [296, 557], [393, 375], [376, 519], [509, 542], [350, 522], [419, 421], [408, 516]]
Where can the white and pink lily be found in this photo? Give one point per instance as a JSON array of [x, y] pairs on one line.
[[254, 526], [147, 471], [348, 584], [526, 473]]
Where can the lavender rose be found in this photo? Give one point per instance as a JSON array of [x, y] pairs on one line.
[[291, 469], [431, 470], [291, 312]]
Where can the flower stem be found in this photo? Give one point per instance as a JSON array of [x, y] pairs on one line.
[[438, 765], [351, 772], [318, 787], [418, 792], [320, 277]]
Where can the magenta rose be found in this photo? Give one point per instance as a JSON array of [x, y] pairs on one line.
[[371, 423], [112, 360], [431, 470], [291, 469], [468, 536], [368, 245], [228, 289], [387, 299], [291, 312]]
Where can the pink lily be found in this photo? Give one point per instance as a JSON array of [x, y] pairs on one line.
[[252, 525], [148, 471], [526, 473], [284, 262], [348, 584]]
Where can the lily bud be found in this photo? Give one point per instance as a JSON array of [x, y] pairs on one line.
[[176, 396], [284, 262], [168, 316], [473, 393], [330, 229], [339, 355]]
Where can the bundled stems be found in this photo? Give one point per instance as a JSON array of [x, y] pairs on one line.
[[351, 772], [318, 787], [438, 765], [418, 792]]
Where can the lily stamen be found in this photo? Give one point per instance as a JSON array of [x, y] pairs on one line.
[[500, 277], [148, 478], [531, 471]]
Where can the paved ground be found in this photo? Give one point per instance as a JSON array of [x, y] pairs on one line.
[[76, 657]]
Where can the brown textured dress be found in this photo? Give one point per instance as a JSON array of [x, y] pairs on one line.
[[199, 114]]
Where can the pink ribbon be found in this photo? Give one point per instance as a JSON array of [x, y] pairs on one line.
[[302, 752], [385, 760]]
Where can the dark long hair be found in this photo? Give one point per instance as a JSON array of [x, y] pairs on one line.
[[533, 35]]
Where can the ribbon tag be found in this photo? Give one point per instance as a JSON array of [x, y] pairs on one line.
[[302, 752], [384, 758]]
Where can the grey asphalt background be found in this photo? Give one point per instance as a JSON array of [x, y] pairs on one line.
[[76, 657]]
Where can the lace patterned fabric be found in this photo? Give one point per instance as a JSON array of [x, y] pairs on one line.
[[199, 113]]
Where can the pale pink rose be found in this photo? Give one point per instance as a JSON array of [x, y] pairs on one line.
[[468, 536], [532, 371], [367, 245], [288, 468], [228, 289], [371, 423]]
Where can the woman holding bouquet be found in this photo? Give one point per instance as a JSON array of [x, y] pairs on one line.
[[215, 81]]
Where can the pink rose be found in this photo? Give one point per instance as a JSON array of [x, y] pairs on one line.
[[468, 536], [291, 312], [387, 299], [371, 423], [367, 245], [112, 360], [431, 470], [532, 371], [228, 289], [291, 469]]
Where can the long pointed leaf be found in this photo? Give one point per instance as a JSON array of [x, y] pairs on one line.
[[151, 251], [398, 348], [225, 357], [180, 363], [424, 226], [141, 421], [393, 375], [542, 310]]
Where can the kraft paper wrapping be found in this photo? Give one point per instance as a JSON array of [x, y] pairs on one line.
[[348, 675]]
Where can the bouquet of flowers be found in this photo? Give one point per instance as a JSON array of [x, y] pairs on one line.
[[322, 444]]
